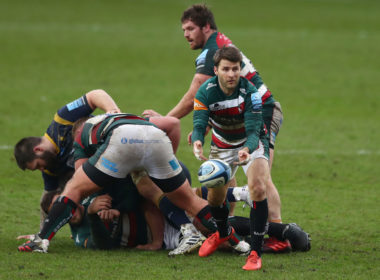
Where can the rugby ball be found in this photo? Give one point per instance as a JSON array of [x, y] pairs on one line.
[[214, 173]]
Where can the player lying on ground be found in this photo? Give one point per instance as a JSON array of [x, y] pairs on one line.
[[101, 223]]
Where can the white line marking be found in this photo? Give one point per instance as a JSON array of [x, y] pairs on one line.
[[6, 147]]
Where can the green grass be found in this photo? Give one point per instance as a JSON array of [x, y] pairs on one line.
[[319, 58]]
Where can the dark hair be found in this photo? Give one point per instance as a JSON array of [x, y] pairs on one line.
[[230, 53], [23, 151], [200, 15], [47, 199]]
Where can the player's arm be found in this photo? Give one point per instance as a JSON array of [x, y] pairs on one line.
[[200, 122], [98, 98], [253, 121], [185, 105]]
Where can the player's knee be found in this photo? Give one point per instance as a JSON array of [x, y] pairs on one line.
[[258, 189]]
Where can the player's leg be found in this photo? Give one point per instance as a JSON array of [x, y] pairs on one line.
[[257, 172], [191, 238], [219, 207], [231, 184], [273, 117], [62, 210], [274, 201], [166, 172]]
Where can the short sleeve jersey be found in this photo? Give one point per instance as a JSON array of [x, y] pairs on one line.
[[236, 119], [204, 64], [60, 135]]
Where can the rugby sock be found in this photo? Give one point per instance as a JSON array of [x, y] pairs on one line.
[[240, 224], [230, 195], [174, 215], [203, 191], [60, 213], [206, 219], [276, 230], [258, 221], [220, 214]]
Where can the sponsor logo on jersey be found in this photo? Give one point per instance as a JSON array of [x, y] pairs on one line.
[[75, 104], [243, 91], [174, 164], [210, 85], [256, 101], [136, 141], [124, 140], [201, 59], [198, 106], [109, 164], [231, 105]]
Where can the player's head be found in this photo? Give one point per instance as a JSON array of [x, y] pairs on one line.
[[48, 201], [200, 15], [227, 61], [197, 24], [77, 126], [30, 154], [230, 53]]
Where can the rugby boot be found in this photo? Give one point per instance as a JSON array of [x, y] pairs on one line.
[[253, 262], [212, 243], [273, 245], [190, 240], [299, 240]]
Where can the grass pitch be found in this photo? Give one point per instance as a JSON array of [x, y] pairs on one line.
[[319, 58]]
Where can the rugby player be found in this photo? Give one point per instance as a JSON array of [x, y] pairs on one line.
[[232, 106]]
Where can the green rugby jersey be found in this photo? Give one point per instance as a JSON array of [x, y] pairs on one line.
[[235, 120]]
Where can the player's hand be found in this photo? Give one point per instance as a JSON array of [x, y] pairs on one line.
[[101, 202], [198, 150], [244, 157], [150, 113], [113, 111], [108, 216]]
